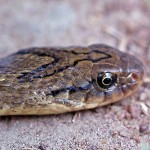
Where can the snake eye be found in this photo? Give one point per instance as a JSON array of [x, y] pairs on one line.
[[106, 80]]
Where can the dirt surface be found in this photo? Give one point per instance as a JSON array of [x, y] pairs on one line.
[[123, 24]]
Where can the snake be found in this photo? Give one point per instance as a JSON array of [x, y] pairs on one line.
[[55, 80]]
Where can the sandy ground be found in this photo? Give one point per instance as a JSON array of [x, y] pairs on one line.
[[123, 24]]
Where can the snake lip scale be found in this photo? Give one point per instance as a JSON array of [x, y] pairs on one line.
[[54, 80]]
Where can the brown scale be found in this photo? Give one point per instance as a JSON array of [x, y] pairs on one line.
[[39, 81]]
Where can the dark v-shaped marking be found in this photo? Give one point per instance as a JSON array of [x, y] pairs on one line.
[[29, 76]]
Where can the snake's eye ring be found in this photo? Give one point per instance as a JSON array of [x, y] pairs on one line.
[[106, 80]]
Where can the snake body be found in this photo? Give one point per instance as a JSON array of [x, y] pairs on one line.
[[39, 81]]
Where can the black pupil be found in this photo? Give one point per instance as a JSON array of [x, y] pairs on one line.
[[106, 80]]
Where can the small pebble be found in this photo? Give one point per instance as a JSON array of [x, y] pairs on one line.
[[144, 128], [134, 110]]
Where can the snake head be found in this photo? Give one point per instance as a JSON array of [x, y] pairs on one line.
[[66, 79], [115, 77]]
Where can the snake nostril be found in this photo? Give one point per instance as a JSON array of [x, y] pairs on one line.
[[135, 76]]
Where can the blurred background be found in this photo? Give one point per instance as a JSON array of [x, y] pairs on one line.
[[121, 24], [124, 24]]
